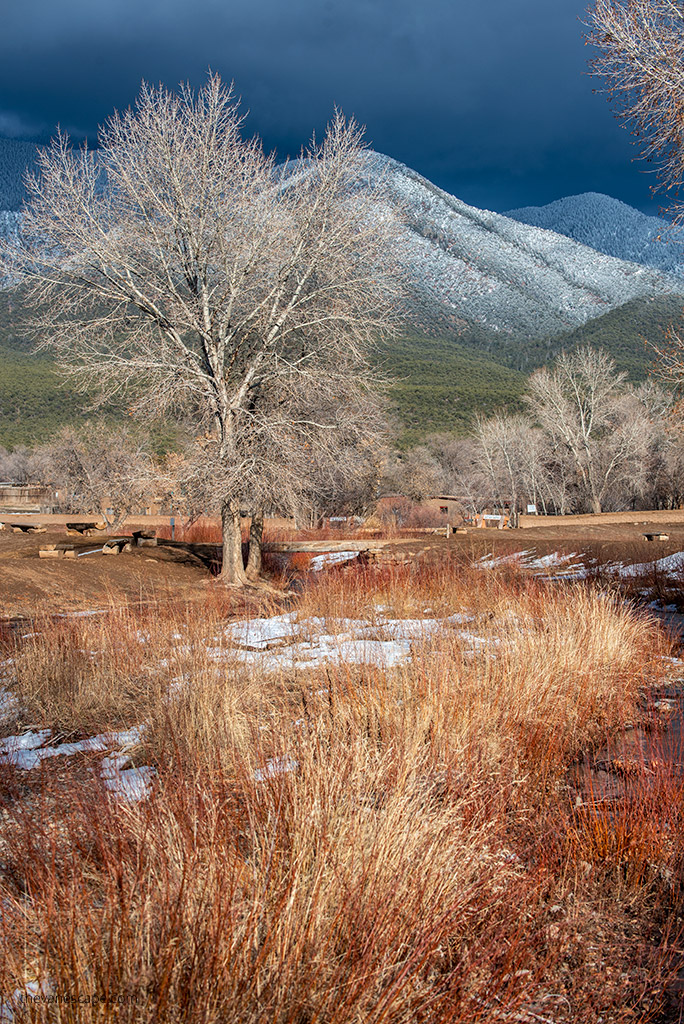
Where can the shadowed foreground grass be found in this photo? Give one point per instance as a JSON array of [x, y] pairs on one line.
[[344, 843]]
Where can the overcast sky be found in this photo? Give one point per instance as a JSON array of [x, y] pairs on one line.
[[490, 99]]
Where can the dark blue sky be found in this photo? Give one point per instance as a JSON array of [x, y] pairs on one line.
[[490, 100]]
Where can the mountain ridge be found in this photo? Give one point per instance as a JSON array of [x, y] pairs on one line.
[[475, 266], [612, 227], [490, 299], [466, 267]]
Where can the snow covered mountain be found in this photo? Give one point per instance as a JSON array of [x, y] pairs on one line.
[[466, 267], [611, 227], [16, 157]]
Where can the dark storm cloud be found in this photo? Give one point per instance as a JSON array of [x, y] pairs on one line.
[[491, 101]]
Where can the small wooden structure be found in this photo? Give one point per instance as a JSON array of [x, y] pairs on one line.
[[656, 536], [492, 520]]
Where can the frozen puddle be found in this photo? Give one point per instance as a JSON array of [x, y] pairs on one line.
[[31, 748]]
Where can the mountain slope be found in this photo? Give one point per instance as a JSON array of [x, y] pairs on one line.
[[488, 300], [611, 227], [16, 158], [466, 266]]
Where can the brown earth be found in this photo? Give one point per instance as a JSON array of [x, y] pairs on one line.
[[656, 517], [30, 585]]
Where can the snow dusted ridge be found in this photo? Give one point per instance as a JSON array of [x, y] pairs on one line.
[[465, 264], [10, 223], [611, 227]]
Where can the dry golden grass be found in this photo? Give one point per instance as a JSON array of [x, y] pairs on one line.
[[345, 843]]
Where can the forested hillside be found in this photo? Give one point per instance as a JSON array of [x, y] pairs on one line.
[[441, 383], [612, 227], [628, 333], [15, 158]]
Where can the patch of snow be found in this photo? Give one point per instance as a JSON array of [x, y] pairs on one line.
[[331, 558], [489, 562], [276, 766], [672, 565], [86, 614], [8, 702], [29, 749], [556, 558], [261, 633], [130, 784], [9, 1007], [282, 642], [12, 747]]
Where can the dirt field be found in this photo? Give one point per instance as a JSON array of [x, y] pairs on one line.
[[30, 585], [653, 518]]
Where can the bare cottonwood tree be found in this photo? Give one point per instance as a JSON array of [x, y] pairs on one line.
[[641, 58], [580, 403], [21, 466], [500, 443], [180, 265], [417, 475], [310, 446]]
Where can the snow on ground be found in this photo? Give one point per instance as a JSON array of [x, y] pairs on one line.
[[32, 991], [552, 561], [28, 750], [331, 558], [280, 643], [514, 558], [276, 766], [286, 642], [130, 784], [556, 565], [8, 702], [670, 565]]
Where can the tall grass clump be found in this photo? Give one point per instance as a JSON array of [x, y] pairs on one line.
[[345, 842]]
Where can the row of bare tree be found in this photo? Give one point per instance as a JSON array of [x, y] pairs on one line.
[[589, 443], [113, 471]]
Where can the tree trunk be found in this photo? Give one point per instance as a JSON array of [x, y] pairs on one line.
[[256, 532], [232, 570]]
